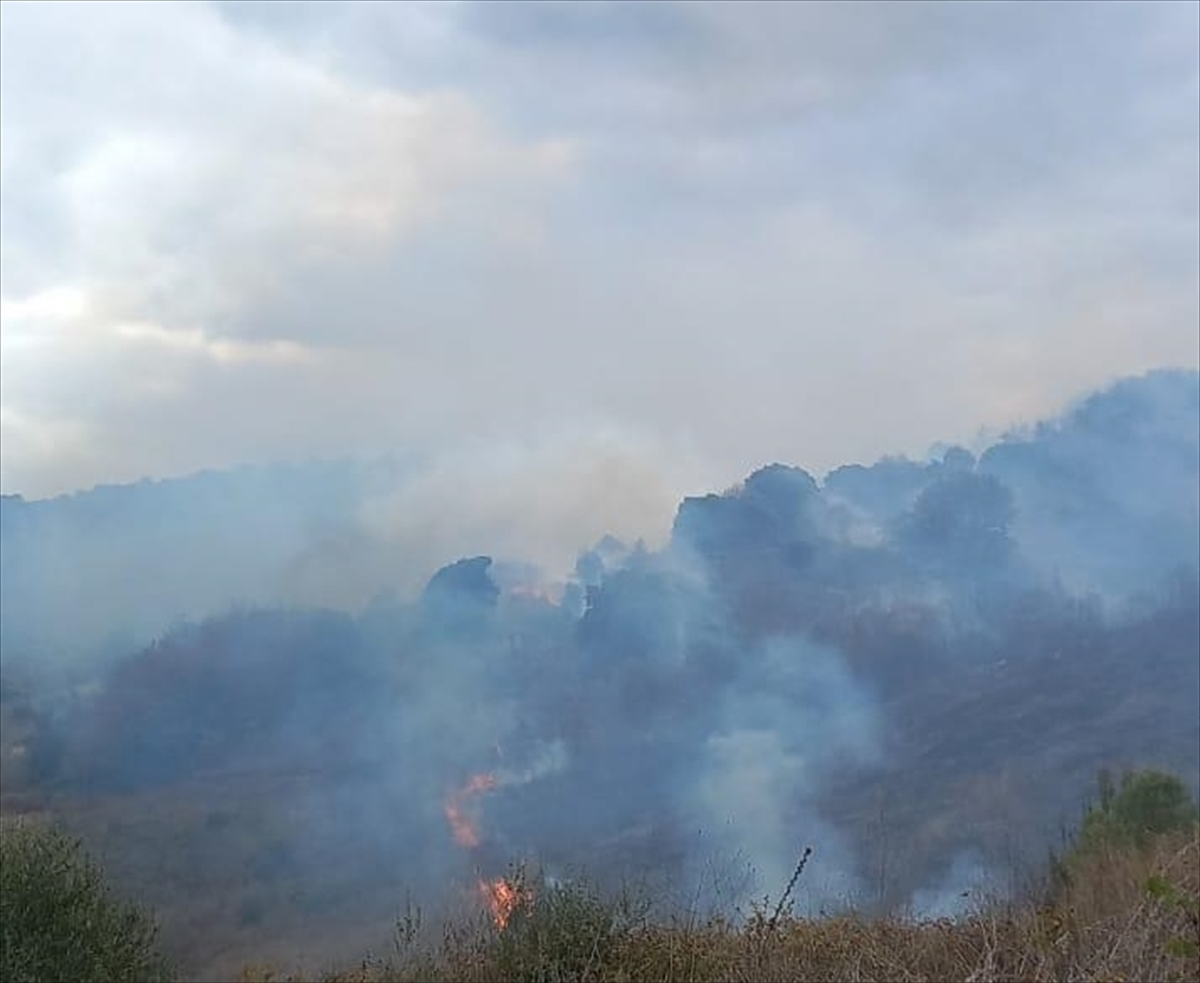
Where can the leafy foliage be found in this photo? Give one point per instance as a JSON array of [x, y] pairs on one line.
[[60, 920], [562, 931], [1147, 803]]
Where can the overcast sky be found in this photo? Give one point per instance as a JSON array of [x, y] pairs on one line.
[[664, 242]]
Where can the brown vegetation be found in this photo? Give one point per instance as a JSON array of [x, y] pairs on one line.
[[1124, 913]]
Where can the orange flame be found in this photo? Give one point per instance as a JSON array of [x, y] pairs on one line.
[[502, 898], [461, 824]]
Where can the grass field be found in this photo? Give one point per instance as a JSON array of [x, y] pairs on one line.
[[1121, 914]]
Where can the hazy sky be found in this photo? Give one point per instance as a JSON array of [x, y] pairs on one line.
[[664, 242]]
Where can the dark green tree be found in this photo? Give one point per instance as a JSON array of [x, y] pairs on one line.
[[60, 920], [1146, 804]]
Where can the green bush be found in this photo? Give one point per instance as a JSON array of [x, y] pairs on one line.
[[562, 931], [59, 919], [1147, 804]]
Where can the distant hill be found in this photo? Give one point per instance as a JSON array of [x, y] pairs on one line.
[[915, 667], [1103, 498]]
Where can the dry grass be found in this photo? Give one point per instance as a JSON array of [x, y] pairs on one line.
[[1126, 914]]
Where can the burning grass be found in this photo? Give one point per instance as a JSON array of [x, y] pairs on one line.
[[1124, 913], [503, 898]]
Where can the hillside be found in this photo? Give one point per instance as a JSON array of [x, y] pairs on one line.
[[917, 668]]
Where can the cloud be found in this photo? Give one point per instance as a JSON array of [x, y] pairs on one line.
[[183, 199], [218, 349], [180, 206], [345, 228]]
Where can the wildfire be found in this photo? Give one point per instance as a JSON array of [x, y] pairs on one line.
[[503, 895], [502, 898], [461, 824]]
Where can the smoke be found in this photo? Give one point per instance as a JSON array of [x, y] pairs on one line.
[[1109, 494], [966, 886], [752, 792], [549, 759], [536, 500], [793, 714], [329, 534], [741, 683]]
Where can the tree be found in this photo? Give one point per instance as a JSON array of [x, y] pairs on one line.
[[1146, 804], [963, 519], [60, 920]]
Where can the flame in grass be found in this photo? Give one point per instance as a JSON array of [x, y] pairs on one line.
[[503, 897], [455, 807]]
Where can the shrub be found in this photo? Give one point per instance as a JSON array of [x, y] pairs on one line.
[[59, 918], [1148, 803], [562, 931]]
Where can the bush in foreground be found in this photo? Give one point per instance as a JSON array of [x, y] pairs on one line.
[[1146, 804], [59, 918], [1128, 913]]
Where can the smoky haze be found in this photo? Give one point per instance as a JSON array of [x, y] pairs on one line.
[[453, 433], [433, 673], [701, 228]]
